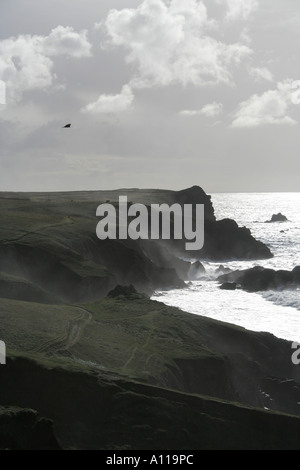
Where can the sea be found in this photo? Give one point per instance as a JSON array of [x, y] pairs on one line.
[[276, 312]]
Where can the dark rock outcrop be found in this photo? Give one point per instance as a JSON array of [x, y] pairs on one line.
[[296, 274], [277, 218], [196, 270], [223, 270], [196, 195], [23, 429], [223, 239], [129, 292], [228, 286], [260, 279]]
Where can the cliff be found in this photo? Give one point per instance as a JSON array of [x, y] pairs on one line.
[[94, 365], [49, 247], [130, 373]]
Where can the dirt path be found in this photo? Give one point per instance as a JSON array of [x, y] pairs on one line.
[[134, 349], [69, 337]]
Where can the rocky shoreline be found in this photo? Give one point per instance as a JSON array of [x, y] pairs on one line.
[[261, 279], [95, 365]]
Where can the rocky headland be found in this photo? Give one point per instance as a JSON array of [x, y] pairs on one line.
[[93, 363]]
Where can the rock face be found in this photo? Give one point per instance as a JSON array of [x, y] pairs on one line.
[[260, 279], [228, 286], [223, 270], [128, 292], [277, 218], [223, 239], [23, 429], [50, 252], [196, 195], [196, 271], [123, 371]]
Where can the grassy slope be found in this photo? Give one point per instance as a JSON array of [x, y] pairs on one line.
[[94, 410], [50, 240], [147, 341], [131, 373]]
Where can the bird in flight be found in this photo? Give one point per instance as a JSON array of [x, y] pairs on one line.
[[67, 126]]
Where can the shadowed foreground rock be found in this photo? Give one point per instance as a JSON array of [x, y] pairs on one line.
[[23, 429], [94, 411], [132, 373]]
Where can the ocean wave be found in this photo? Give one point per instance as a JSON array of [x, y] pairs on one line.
[[286, 298]]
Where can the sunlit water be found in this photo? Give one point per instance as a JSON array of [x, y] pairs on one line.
[[277, 312]]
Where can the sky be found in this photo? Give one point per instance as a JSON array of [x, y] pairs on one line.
[[160, 93]]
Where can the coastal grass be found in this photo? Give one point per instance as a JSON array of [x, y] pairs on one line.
[[126, 372]]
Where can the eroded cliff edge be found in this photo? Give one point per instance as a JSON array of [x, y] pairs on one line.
[[49, 250], [125, 372]]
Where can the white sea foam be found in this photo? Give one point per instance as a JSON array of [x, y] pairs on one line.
[[276, 312], [286, 298]]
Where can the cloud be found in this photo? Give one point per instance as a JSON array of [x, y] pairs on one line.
[[209, 110], [26, 64], [65, 41], [269, 108], [173, 43], [239, 9], [108, 104], [261, 73]]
